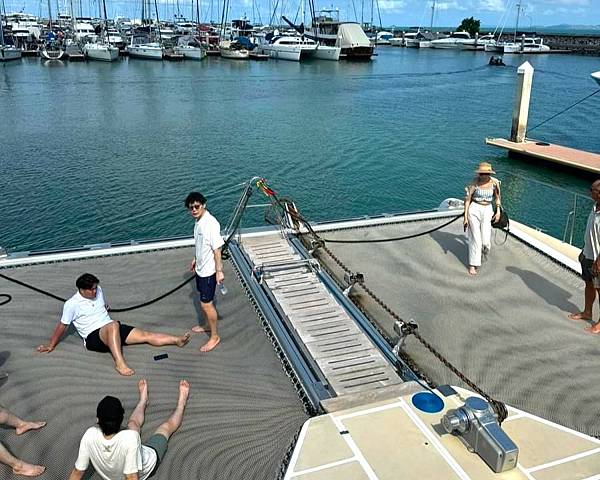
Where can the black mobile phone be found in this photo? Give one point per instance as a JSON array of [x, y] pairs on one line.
[[161, 356]]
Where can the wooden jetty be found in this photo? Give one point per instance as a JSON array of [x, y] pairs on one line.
[[549, 152], [520, 145]]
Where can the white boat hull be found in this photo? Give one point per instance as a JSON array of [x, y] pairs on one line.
[[397, 42], [9, 53], [293, 53], [324, 52], [101, 52], [193, 53], [147, 51], [234, 54], [410, 43], [52, 54]]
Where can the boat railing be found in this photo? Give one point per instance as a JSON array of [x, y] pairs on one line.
[[549, 208]]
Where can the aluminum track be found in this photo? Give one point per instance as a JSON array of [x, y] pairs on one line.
[[345, 355]]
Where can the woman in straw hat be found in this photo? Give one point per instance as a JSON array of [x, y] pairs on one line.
[[481, 195]]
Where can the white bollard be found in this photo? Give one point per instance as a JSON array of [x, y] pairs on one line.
[[521, 108]]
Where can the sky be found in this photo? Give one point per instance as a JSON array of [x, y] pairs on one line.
[[448, 13]]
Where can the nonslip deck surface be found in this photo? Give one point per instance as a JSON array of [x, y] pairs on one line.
[[506, 329], [243, 411]]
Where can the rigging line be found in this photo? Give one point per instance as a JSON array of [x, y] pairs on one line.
[[563, 111], [384, 240]]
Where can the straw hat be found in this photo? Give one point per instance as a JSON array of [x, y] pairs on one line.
[[485, 167]]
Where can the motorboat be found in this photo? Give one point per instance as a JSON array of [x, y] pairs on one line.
[[420, 40], [455, 40], [526, 45], [233, 50], [7, 51], [289, 47], [479, 43], [101, 51], [114, 37], [141, 47], [85, 32], [382, 38], [189, 48], [327, 29], [401, 41]]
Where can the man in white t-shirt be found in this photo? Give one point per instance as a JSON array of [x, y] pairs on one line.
[[88, 313], [207, 264], [117, 454]]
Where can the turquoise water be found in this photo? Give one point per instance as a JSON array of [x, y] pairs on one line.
[[95, 152]]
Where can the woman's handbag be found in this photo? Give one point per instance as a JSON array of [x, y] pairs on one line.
[[503, 222]]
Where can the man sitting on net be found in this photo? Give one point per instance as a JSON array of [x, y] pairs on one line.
[[116, 453], [87, 311]]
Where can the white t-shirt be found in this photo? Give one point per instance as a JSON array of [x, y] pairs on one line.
[[123, 454], [86, 314], [207, 237], [591, 240]]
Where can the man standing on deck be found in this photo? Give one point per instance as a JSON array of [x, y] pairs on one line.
[[87, 311], [118, 454], [590, 261], [207, 264]]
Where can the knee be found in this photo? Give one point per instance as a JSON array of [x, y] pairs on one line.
[[207, 307]]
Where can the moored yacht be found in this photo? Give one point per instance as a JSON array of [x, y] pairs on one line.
[[190, 48], [7, 52], [141, 47], [102, 51], [455, 40], [293, 47], [526, 45], [233, 50], [479, 43], [327, 29]]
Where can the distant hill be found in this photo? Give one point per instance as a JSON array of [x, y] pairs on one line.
[[563, 28]]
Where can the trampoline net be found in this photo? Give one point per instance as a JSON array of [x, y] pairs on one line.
[[243, 411]]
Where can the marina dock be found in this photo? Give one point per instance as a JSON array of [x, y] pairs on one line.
[[569, 157]]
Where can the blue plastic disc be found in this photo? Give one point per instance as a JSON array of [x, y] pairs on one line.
[[428, 402]]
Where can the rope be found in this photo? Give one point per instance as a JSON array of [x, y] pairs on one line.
[[7, 297], [383, 240], [563, 111]]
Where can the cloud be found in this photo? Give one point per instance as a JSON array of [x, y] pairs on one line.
[[492, 5], [391, 5], [580, 3], [449, 6]]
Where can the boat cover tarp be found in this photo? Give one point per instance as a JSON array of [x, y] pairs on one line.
[[352, 35], [243, 412]]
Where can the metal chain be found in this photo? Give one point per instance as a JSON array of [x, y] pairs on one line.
[[498, 406]]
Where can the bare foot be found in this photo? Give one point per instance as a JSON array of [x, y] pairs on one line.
[[199, 329], [472, 271], [184, 391], [212, 343], [28, 470], [184, 339], [579, 316], [124, 370], [26, 426], [594, 329], [143, 388]]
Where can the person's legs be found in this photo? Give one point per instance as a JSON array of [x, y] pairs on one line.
[[136, 420], [589, 295], [474, 237], [110, 336], [137, 336], [19, 467], [174, 421], [21, 426], [211, 319], [486, 228]]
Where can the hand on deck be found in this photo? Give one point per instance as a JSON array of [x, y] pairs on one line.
[[220, 277], [45, 349]]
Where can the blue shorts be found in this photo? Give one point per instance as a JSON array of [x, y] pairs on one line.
[[206, 286]]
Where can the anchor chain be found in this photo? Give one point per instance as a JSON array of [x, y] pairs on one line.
[[498, 406]]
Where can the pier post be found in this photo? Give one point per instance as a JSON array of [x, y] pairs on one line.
[[521, 108]]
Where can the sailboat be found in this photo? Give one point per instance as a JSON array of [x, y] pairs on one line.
[[52, 49], [101, 49], [230, 48], [142, 47], [7, 52]]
